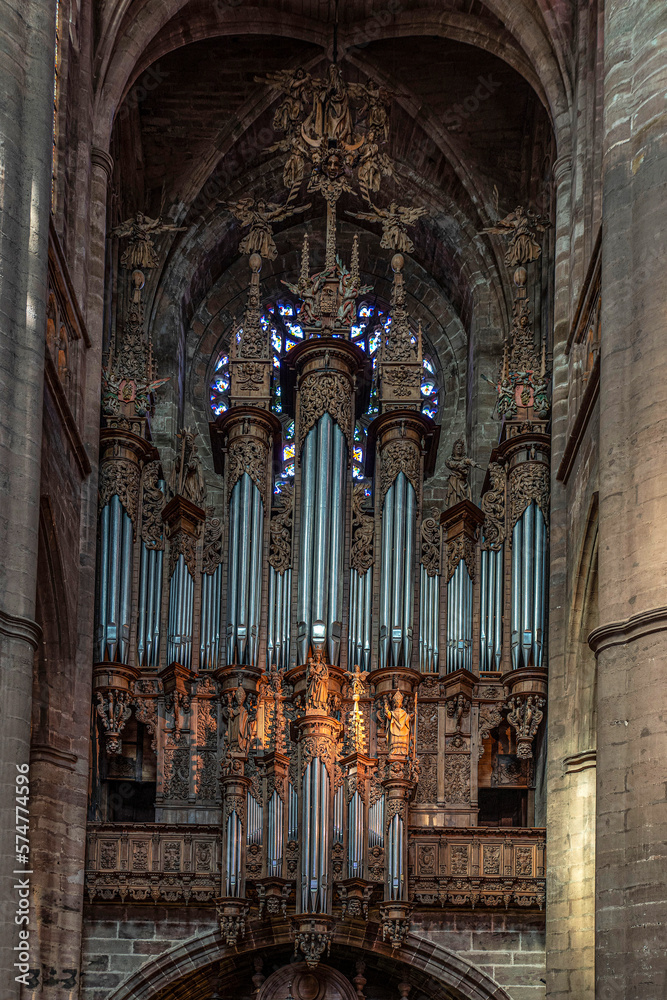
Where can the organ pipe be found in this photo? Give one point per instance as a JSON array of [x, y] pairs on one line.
[[246, 521], [429, 603], [459, 619], [529, 588], [491, 610], [209, 640], [396, 587], [315, 826], [114, 582]]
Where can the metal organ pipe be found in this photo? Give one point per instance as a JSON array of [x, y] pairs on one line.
[[320, 587], [315, 823], [209, 649], [181, 601], [355, 834], [396, 588], [491, 609], [246, 520], [275, 832], [233, 855], [114, 582], [429, 591], [529, 588], [459, 619], [385, 580]]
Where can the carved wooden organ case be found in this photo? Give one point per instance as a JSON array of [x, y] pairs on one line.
[[332, 682]]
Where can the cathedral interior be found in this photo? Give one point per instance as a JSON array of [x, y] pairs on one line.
[[333, 591]]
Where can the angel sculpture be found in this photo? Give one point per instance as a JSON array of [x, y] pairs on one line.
[[259, 215], [140, 250], [519, 228], [297, 87], [395, 220]]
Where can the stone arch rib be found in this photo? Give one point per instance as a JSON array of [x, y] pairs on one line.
[[449, 976]]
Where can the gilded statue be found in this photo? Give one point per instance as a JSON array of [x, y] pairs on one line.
[[259, 215], [139, 230], [238, 720], [398, 724], [395, 221], [459, 465], [317, 683], [519, 229]]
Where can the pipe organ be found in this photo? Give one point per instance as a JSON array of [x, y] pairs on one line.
[[324, 666]]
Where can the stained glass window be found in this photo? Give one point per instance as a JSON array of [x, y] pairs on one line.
[[280, 319]]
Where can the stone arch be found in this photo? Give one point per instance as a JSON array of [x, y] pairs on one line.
[[186, 971]]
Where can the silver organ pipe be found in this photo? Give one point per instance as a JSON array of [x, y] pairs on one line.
[[338, 814], [274, 858], [355, 835], [114, 582], [320, 588], [376, 823], [396, 589], [246, 520], [233, 855], [278, 622], [150, 601], [429, 602], [359, 642], [395, 873], [491, 610], [459, 619], [529, 588], [209, 647], [315, 827], [181, 601], [255, 822], [292, 812]]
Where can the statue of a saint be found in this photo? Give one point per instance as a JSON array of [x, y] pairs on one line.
[[317, 683], [398, 724], [238, 724], [459, 465]]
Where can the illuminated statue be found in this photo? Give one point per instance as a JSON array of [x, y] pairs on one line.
[[317, 683], [140, 250], [238, 725], [459, 465], [398, 724]]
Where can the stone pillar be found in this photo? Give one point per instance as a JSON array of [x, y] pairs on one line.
[[26, 79], [631, 641]]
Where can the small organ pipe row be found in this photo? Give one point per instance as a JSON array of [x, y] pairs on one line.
[[361, 597], [279, 619], [459, 619], [491, 610], [315, 831], [209, 632], [529, 588], [429, 614], [114, 588]]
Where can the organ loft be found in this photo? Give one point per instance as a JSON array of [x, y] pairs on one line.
[[333, 501], [319, 701]]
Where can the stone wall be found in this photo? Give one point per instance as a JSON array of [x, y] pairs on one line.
[[119, 940]]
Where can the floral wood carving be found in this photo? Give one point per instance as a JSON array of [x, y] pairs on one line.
[[493, 506], [399, 456], [280, 554], [183, 544], [430, 535], [529, 482], [320, 394], [489, 717], [145, 711], [457, 779], [461, 547], [120, 478], [525, 714], [152, 525], [212, 542], [361, 551], [246, 456]]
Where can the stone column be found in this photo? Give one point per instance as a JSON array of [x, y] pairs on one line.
[[26, 80], [631, 641]]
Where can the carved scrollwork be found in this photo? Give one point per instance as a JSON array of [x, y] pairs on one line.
[[458, 708], [430, 536], [489, 717], [250, 376], [325, 393], [212, 542], [183, 544], [120, 477], [361, 550], [457, 779], [322, 747], [461, 547], [152, 525], [399, 456], [145, 710], [529, 482], [280, 554], [246, 456], [402, 379], [493, 506]]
